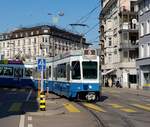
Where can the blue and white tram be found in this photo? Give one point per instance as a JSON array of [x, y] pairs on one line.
[[14, 73], [76, 75]]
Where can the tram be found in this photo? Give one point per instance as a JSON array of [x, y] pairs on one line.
[[75, 75]]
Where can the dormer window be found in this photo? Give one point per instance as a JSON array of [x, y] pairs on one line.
[[45, 31], [21, 35], [16, 35], [26, 34], [32, 33]]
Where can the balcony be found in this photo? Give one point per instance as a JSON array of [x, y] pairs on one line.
[[128, 26], [129, 45]]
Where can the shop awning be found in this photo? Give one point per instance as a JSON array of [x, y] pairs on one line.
[[107, 72]]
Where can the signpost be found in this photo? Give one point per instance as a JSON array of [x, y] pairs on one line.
[[41, 68]]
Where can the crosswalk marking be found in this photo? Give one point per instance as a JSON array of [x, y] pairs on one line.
[[5, 88], [14, 89], [115, 105], [127, 110], [141, 106], [22, 90], [15, 107], [92, 106], [71, 107]]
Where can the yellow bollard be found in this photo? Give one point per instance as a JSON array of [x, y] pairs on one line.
[[42, 102]]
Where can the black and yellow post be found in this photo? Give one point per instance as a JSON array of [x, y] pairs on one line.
[[42, 101]]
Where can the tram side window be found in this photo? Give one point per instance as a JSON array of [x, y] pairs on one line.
[[8, 71], [49, 71], [61, 70], [18, 72], [28, 72], [76, 74], [1, 70]]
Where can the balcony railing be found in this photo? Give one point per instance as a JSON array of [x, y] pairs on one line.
[[129, 44], [128, 26]]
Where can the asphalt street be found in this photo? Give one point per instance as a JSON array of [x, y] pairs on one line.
[[117, 108]]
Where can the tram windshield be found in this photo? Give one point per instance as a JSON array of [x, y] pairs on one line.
[[89, 70]]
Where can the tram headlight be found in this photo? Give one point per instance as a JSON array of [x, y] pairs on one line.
[[90, 87], [79, 88]]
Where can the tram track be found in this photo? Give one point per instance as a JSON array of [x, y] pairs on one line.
[[99, 120], [122, 117]]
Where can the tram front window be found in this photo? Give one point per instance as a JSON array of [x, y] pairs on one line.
[[89, 70], [76, 70]]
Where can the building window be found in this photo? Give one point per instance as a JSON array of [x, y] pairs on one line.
[[142, 29], [148, 50], [109, 41], [16, 35], [109, 58], [4, 44], [35, 50], [18, 42], [21, 35], [29, 41], [34, 40], [133, 78], [32, 33], [26, 34], [148, 27], [142, 51]]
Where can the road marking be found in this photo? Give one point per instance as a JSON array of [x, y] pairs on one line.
[[15, 107], [22, 117], [115, 105], [14, 89], [21, 123], [5, 88], [95, 107], [29, 118], [30, 125], [29, 95], [22, 90], [127, 110], [141, 107], [113, 91], [71, 108]]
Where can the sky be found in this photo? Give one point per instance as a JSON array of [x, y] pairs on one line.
[[26, 13]]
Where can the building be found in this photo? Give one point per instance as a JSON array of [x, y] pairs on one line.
[[143, 62], [119, 41], [28, 43]]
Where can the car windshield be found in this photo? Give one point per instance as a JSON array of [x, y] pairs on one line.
[[89, 70]]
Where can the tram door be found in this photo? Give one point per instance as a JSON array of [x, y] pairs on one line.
[[18, 75]]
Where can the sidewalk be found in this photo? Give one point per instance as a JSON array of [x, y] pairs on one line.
[[56, 115]]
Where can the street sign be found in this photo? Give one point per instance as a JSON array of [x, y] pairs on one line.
[[41, 64]]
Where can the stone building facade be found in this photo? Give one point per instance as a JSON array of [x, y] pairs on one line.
[[143, 62], [27, 43], [119, 41]]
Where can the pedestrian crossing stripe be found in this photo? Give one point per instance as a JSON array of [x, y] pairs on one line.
[[127, 110], [14, 89], [94, 107], [141, 106], [15, 107], [71, 107], [115, 105]]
